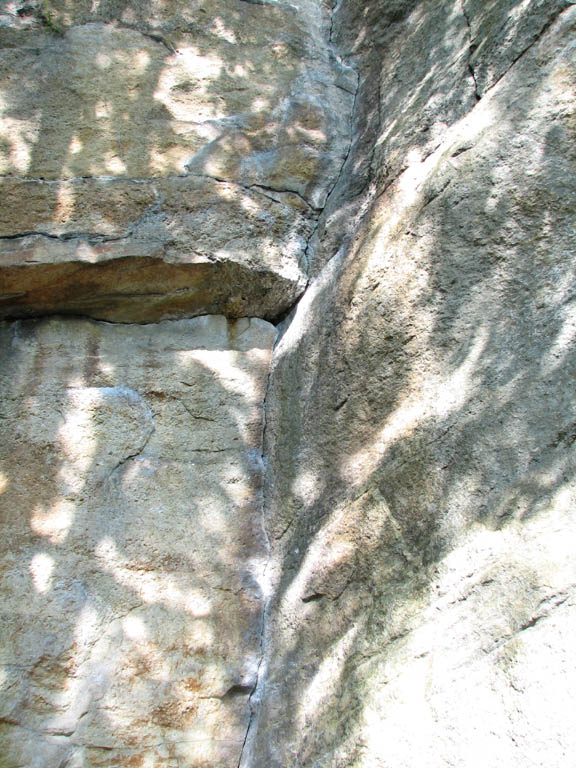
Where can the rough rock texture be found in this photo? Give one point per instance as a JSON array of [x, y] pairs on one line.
[[421, 420], [132, 543], [216, 250], [197, 140], [377, 569]]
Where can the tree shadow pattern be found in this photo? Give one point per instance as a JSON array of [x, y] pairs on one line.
[[206, 133], [420, 417], [132, 540]]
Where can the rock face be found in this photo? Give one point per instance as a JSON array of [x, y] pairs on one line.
[[420, 421], [132, 546], [192, 142], [350, 545]]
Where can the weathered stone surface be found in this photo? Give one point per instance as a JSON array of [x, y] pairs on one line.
[[132, 544], [133, 252], [163, 160], [113, 115], [240, 91], [456, 52], [420, 423]]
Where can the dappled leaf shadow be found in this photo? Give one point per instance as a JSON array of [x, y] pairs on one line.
[[421, 412]]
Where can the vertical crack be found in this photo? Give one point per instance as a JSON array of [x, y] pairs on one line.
[[333, 11], [471, 49], [255, 693]]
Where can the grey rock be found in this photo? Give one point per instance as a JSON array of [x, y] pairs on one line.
[[132, 544], [420, 427], [376, 570]]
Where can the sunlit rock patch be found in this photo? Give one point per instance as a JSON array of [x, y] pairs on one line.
[[132, 540], [191, 134]]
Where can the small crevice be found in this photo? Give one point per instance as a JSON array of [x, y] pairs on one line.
[[263, 189], [337, 180], [100, 179], [537, 37], [473, 76], [92, 237], [318, 211], [138, 452], [271, 4], [237, 691], [268, 549], [471, 49], [191, 413], [258, 188], [547, 606], [234, 692], [154, 36], [314, 597]]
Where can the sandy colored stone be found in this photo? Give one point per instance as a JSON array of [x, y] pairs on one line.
[[409, 516], [143, 135], [247, 93], [148, 251], [132, 545]]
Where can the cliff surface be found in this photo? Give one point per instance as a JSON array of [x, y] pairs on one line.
[[347, 540]]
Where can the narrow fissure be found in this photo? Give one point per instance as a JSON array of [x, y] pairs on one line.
[[256, 694]]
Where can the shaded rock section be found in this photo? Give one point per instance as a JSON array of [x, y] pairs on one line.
[[132, 547], [420, 422]]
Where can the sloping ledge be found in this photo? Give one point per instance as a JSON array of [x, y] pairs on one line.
[[123, 287]]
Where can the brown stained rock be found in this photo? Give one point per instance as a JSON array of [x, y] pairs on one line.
[[142, 288], [133, 252], [132, 541]]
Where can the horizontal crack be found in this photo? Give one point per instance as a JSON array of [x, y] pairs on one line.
[[262, 189], [271, 3], [91, 236]]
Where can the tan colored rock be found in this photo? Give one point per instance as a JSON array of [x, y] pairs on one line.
[[248, 93], [192, 133], [163, 160], [132, 544], [133, 252]]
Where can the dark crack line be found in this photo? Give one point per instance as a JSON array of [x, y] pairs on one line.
[[257, 690], [271, 4], [94, 237], [266, 598], [154, 36], [139, 450], [522, 53], [335, 184], [471, 49], [258, 188], [99, 179], [548, 606], [375, 196], [263, 189], [536, 40]]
